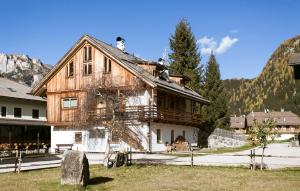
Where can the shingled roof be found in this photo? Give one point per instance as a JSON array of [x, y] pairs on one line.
[[12, 89], [128, 61], [280, 118]]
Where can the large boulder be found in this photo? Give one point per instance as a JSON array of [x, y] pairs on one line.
[[75, 168]]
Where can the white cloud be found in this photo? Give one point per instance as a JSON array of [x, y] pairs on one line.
[[208, 45], [226, 44]]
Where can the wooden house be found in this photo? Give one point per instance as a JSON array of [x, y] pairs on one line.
[[238, 124], [172, 105], [287, 123]]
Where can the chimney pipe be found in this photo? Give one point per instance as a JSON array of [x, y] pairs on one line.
[[161, 61], [120, 43]]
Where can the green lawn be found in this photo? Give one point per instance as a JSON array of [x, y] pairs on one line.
[[228, 149], [212, 151], [159, 178]]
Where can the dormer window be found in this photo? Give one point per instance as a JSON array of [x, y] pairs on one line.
[[107, 65], [70, 69]]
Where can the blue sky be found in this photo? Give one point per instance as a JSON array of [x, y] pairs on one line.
[[242, 33]]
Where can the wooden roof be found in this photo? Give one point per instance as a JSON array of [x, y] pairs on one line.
[[280, 118]]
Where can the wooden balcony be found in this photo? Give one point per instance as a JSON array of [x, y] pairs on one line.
[[148, 113]]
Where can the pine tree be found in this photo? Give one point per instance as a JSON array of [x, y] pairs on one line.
[[185, 58], [216, 113]]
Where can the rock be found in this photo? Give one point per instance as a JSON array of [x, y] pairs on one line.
[[258, 165], [22, 68], [75, 168]]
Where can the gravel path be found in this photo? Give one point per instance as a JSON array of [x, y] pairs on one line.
[[278, 156]]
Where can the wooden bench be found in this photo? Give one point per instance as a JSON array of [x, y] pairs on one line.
[[65, 146]]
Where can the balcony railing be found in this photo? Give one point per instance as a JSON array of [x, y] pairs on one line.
[[148, 113]]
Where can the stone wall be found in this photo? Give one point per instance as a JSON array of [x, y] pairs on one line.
[[224, 138]]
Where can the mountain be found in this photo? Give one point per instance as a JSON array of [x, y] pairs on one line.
[[274, 89], [22, 68]]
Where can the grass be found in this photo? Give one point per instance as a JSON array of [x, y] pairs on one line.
[[212, 151], [283, 141], [160, 177], [183, 154], [228, 149]]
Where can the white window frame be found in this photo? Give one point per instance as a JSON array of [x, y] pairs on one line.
[[69, 101]]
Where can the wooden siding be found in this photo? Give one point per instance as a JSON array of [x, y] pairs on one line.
[[60, 86]]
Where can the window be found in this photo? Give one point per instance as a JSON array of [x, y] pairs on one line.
[[114, 137], [87, 67], [172, 136], [158, 136], [70, 69], [78, 138], [183, 134], [35, 113], [3, 111], [69, 103], [18, 112], [107, 65], [87, 58], [97, 133], [87, 54]]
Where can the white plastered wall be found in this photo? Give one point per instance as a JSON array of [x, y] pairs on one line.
[[63, 136], [26, 106], [191, 134]]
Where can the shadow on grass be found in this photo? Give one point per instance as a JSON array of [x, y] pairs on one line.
[[99, 180]]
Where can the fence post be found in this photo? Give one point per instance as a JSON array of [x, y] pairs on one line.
[[19, 165], [130, 156], [192, 157], [254, 165], [251, 160], [16, 160], [38, 142]]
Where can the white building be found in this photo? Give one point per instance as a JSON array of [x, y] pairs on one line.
[[22, 116]]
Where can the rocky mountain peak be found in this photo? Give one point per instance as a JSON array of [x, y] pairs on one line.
[[22, 68]]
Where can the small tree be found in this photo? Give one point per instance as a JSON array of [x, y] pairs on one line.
[[116, 108], [262, 134]]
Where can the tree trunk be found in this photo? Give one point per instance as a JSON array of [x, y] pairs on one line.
[[262, 158]]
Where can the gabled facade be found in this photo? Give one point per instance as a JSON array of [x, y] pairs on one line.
[[172, 105]]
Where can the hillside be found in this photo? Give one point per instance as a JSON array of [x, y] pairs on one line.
[[22, 68], [274, 89]]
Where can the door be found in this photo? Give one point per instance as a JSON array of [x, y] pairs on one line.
[[172, 136]]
